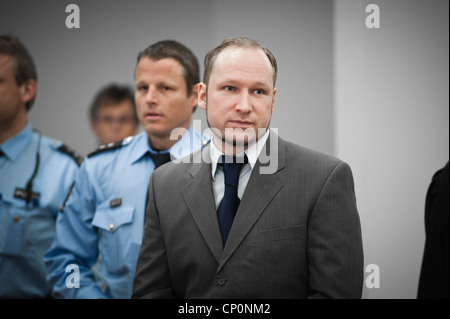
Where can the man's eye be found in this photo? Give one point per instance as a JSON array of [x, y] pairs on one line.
[[259, 92], [229, 88], [142, 88], [164, 88]]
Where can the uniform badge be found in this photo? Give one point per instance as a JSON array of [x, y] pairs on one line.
[[21, 193], [116, 202]]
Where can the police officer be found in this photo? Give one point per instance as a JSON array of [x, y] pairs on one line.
[[35, 174], [104, 214], [113, 114]]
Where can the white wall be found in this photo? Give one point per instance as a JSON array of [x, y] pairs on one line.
[[392, 126]]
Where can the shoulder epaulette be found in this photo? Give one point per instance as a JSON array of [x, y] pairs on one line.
[[72, 153], [110, 146]]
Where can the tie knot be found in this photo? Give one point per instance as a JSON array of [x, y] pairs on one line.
[[231, 168], [226, 159], [160, 158]]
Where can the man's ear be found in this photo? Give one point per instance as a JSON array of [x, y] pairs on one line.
[[202, 96], [273, 98], [194, 95], [28, 90]]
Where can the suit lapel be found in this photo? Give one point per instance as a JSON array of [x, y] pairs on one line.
[[260, 191], [202, 207]]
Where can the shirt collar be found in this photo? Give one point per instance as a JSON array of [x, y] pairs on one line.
[[141, 147], [188, 143], [252, 153], [15, 145]]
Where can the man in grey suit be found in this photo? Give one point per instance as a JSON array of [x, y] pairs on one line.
[[285, 226]]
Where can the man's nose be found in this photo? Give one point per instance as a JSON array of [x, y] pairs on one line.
[[152, 95], [244, 104]]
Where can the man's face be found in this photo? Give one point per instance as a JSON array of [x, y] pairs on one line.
[[114, 122], [11, 95], [161, 96], [240, 96]]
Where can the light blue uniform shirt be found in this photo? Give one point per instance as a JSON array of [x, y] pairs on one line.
[[27, 231], [105, 214]]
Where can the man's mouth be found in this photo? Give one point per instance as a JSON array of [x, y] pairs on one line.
[[241, 123], [152, 116]]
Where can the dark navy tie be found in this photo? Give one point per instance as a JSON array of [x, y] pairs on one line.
[[230, 202], [160, 158]]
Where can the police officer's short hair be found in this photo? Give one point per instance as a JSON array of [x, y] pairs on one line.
[[175, 50], [24, 67], [112, 94]]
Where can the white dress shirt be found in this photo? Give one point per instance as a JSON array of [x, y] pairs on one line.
[[218, 176]]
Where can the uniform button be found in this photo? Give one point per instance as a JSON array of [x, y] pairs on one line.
[[221, 282], [111, 226], [16, 219]]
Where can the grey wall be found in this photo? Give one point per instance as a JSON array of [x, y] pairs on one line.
[[392, 126], [378, 99], [74, 63]]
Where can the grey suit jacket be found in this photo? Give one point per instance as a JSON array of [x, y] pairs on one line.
[[296, 233]]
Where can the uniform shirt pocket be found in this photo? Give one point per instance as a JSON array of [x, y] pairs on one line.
[[115, 239], [110, 219], [15, 240]]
